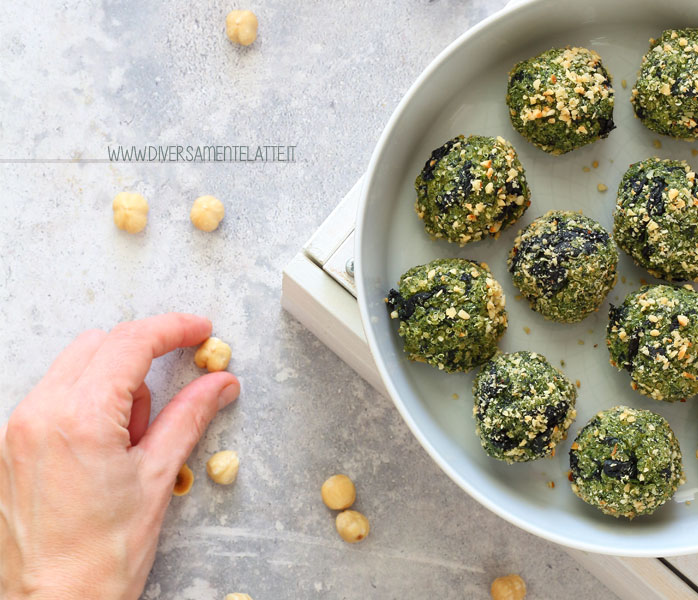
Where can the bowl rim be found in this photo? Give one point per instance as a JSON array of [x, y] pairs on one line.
[[514, 6]]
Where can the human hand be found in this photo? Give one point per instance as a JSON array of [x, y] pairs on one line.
[[84, 482]]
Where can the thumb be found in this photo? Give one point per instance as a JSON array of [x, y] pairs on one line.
[[173, 434]]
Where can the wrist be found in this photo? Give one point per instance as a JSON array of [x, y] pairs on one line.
[[71, 580]]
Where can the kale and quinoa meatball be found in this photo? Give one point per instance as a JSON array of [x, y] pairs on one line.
[[564, 264], [665, 97], [451, 313], [523, 406], [561, 99], [471, 188], [626, 462], [656, 218], [653, 334]]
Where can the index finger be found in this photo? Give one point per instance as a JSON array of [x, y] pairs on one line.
[[126, 354]]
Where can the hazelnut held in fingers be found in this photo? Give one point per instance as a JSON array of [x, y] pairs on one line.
[[213, 354], [241, 27], [338, 492]]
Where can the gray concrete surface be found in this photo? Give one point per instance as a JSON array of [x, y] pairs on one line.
[[323, 76]]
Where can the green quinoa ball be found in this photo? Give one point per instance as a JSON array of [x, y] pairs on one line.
[[665, 97], [564, 264], [561, 100], [656, 218], [523, 406], [626, 462], [471, 188], [451, 313], [654, 336]]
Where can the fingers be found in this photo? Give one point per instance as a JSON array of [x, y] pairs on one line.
[[179, 426], [140, 414], [127, 352], [71, 363]]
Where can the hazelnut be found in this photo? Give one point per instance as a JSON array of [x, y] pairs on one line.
[[184, 481], [206, 213], [352, 526], [130, 211], [511, 587], [213, 354], [241, 27], [338, 492], [223, 466], [238, 596]]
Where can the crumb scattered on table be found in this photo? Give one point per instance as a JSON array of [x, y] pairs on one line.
[[601, 187]]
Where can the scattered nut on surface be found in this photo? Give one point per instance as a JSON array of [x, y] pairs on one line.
[[213, 354], [206, 213], [338, 492], [511, 587], [352, 526], [223, 467], [238, 596], [184, 481], [241, 27], [130, 212], [601, 187]]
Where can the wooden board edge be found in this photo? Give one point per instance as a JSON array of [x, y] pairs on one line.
[[634, 578], [330, 313]]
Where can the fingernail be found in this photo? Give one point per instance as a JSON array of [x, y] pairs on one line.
[[228, 394]]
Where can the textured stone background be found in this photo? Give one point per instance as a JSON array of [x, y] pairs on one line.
[[324, 76]]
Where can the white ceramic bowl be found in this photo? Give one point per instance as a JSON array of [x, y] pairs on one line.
[[463, 91]]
